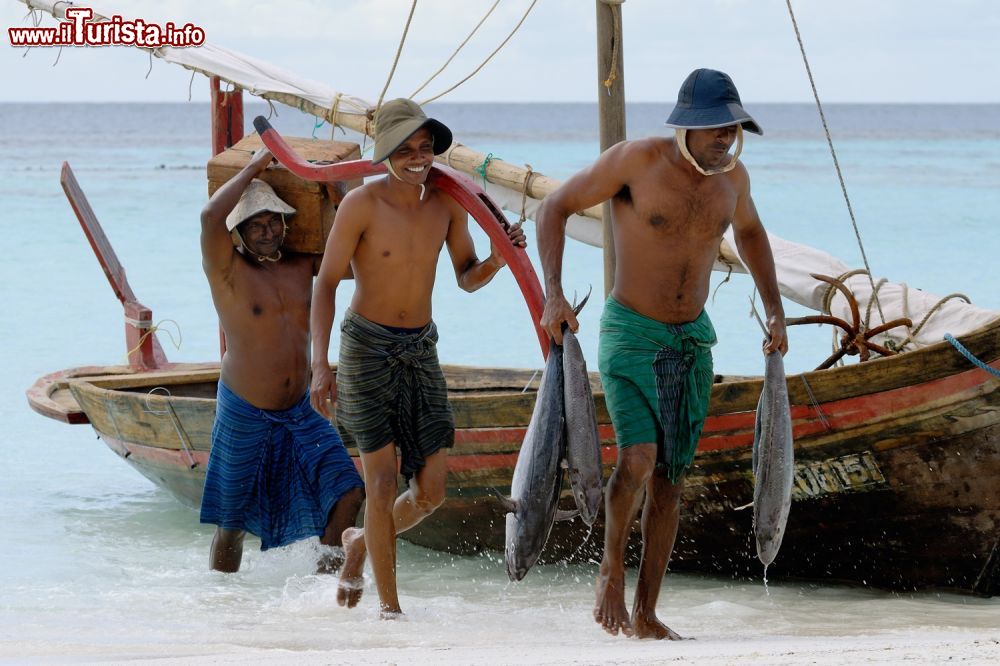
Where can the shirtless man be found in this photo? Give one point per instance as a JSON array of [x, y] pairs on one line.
[[277, 469], [671, 200], [391, 389]]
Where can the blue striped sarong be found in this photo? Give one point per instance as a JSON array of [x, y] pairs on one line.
[[276, 474]]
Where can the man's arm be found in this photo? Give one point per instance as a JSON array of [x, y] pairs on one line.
[[343, 240], [469, 271], [755, 250], [217, 251], [595, 184]]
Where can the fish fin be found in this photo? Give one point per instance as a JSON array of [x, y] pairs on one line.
[[567, 515], [577, 308], [509, 505]]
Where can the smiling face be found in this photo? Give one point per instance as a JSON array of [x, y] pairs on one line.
[[263, 233], [710, 147], [412, 160]]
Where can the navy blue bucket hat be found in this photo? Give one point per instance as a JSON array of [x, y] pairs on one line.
[[707, 99]]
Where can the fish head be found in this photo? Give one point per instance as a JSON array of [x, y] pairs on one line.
[[514, 559], [593, 498]]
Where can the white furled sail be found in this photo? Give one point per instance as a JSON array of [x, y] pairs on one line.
[[513, 187], [932, 315]]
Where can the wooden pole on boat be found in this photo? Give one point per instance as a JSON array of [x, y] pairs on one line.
[[227, 129], [227, 116], [610, 106]]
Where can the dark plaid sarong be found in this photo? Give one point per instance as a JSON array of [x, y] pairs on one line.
[[390, 388]]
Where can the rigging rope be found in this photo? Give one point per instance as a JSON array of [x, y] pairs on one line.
[[395, 62], [524, 193], [616, 19], [969, 355], [488, 58], [455, 53], [836, 162]]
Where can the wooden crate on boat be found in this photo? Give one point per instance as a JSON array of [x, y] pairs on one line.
[[315, 204]]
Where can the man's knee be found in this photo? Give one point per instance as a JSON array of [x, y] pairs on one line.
[[635, 465], [665, 487], [427, 496], [381, 490]]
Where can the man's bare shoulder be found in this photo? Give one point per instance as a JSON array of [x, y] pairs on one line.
[[648, 148], [634, 157], [739, 176], [365, 195]]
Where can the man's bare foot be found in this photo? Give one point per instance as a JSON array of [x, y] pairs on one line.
[[387, 614], [609, 610], [648, 626], [352, 582], [331, 560]]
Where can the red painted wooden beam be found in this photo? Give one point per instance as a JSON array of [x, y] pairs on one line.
[[471, 197], [144, 349]]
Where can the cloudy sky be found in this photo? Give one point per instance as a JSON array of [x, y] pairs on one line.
[[860, 50]]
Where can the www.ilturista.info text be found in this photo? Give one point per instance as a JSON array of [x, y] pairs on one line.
[[77, 29]]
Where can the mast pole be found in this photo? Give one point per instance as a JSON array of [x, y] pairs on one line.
[[610, 107], [227, 130]]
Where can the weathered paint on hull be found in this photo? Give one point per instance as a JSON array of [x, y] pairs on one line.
[[895, 480]]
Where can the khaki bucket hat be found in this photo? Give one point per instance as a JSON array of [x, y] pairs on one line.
[[396, 122], [257, 198]]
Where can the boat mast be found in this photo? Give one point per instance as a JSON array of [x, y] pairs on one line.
[[227, 130], [610, 106]]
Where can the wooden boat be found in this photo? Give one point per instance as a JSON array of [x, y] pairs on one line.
[[897, 465], [897, 459]]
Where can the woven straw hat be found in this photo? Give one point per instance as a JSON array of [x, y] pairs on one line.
[[257, 198]]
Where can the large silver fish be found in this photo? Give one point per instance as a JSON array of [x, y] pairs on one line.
[[773, 461], [583, 443], [534, 489]]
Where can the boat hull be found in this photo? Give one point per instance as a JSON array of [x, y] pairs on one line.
[[897, 466]]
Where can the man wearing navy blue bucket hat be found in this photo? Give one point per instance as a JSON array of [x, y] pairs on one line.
[[671, 200]]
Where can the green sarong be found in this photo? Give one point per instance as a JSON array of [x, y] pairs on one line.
[[657, 382]]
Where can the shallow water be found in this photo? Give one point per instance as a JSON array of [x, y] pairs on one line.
[[100, 564]]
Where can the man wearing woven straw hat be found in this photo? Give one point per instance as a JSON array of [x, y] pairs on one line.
[[671, 201], [277, 469], [390, 386]]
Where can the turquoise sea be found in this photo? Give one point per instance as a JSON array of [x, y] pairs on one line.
[[99, 565]]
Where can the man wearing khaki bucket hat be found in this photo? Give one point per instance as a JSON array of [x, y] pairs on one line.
[[277, 469], [671, 200], [390, 391]]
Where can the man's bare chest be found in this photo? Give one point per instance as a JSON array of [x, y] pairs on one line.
[[396, 242], [660, 209], [261, 294]]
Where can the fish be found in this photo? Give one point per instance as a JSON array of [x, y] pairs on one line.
[[583, 443], [533, 505], [773, 461]]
